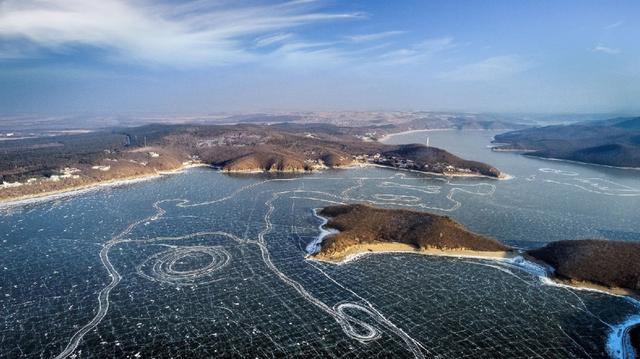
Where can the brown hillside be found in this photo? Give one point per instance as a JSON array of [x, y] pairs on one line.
[[266, 161], [363, 224]]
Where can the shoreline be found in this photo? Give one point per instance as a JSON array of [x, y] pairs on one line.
[[594, 287], [581, 163], [522, 151], [528, 153], [256, 171], [389, 135], [314, 246], [502, 177], [546, 274], [358, 251], [76, 190]]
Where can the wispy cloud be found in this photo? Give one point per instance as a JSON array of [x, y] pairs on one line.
[[614, 25], [13, 51], [300, 55], [193, 33], [493, 68], [605, 49], [418, 52], [374, 36], [273, 39]]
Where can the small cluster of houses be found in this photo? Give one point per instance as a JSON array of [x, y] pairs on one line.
[[368, 137], [445, 168], [11, 184], [101, 168], [384, 160], [403, 163], [315, 164], [65, 173], [232, 139]]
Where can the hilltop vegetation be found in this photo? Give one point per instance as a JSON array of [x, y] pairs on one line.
[[360, 224], [604, 262], [614, 142]]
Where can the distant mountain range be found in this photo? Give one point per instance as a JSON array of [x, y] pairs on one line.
[[613, 142], [393, 121]]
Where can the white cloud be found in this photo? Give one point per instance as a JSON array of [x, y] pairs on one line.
[[193, 33], [605, 49], [493, 68], [374, 36]]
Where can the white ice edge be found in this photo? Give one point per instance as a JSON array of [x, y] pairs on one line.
[[619, 340], [314, 246]]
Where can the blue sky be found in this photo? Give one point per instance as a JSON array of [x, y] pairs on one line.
[[202, 56]]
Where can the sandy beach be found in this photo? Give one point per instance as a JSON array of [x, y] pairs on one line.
[[357, 251], [593, 287]]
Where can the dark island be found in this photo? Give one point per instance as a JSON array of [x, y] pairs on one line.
[[364, 228], [611, 264], [614, 142], [49, 164]]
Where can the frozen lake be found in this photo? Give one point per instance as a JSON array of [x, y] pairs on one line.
[[205, 264]]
